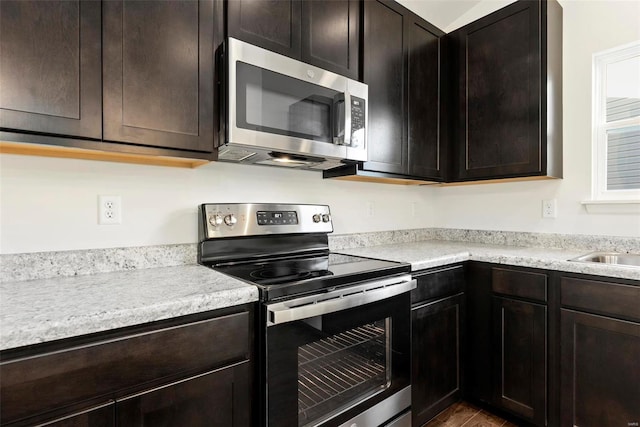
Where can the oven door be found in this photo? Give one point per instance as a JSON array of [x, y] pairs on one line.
[[287, 106], [339, 355]]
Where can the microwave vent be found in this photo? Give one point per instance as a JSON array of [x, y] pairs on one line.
[[234, 154]]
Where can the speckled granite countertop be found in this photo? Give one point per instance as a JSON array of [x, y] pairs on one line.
[[434, 253], [42, 310], [79, 292]]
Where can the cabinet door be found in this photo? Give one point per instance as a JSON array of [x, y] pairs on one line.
[[100, 416], [600, 379], [520, 368], [215, 399], [270, 24], [435, 374], [158, 64], [499, 70], [50, 77], [425, 149], [331, 35], [384, 70]]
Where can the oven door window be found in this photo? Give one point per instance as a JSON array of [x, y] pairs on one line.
[[274, 103], [338, 370], [326, 367]]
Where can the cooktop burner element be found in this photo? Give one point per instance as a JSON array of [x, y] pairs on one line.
[[260, 244]]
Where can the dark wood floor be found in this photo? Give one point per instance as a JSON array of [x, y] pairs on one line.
[[465, 414]]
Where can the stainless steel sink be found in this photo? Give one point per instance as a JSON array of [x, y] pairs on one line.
[[615, 258]]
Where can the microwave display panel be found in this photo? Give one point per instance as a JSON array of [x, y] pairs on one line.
[[275, 103]]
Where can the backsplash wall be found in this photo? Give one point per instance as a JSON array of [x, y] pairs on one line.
[[51, 204]]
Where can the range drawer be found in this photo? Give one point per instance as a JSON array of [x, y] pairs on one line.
[[601, 297], [36, 384], [517, 283]]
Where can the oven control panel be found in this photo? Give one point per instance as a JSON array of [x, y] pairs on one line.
[[253, 219]]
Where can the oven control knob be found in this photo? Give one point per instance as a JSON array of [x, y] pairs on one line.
[[215, 220], [230, 220], [326, 218], [316, 218]]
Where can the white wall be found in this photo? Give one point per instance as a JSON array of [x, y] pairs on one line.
[[51, 204]]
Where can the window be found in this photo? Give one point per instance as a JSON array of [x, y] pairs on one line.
[[616, 124]]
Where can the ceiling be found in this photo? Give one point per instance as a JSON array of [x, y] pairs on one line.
[[441, 13]]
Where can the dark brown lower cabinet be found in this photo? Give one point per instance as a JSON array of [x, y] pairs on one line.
[[213, 399], [437, 327], [436, 330], [169, 373], [506, 365], [600, 352], [520, 351], [600, 370], [100, 416]]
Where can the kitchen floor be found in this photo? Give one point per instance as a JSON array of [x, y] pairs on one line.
[[465, 414]]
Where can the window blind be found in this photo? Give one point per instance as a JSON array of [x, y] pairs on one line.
[[623, 158]]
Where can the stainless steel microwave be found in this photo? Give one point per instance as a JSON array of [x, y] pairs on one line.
[[283, 112]]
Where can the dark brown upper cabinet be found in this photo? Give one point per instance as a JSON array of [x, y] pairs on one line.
[[401, 65], [158, 71], [322, 33], [50, 79], [508, 88]]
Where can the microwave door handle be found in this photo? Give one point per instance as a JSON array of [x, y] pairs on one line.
[[347, 118], [338, 120]]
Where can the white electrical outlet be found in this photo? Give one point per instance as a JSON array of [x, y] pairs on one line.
[[109, 210], [371, 208], [549, 208]]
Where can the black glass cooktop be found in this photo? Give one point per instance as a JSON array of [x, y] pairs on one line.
[[280, 278]]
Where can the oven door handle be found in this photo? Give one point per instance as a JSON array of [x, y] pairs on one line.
[[339, 299]]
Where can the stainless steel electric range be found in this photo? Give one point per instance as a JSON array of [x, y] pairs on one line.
[[333, 330]]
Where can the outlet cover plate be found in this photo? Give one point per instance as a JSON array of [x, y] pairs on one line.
[[109, 210], [549, 208]]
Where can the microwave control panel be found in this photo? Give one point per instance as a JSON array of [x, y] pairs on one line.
[[358, 106]]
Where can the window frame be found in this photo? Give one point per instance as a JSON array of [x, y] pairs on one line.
[[600, 125]]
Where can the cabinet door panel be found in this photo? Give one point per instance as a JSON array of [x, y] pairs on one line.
[[599, 370], [270, 24], [101, 416], [500, 70], [330, 35], [216, 399], [384, 71], [159, 74], [50, 77], [520, 369], [423, 133], [436, 337]]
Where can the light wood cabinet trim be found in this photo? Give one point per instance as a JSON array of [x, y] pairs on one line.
[[86, 154]]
